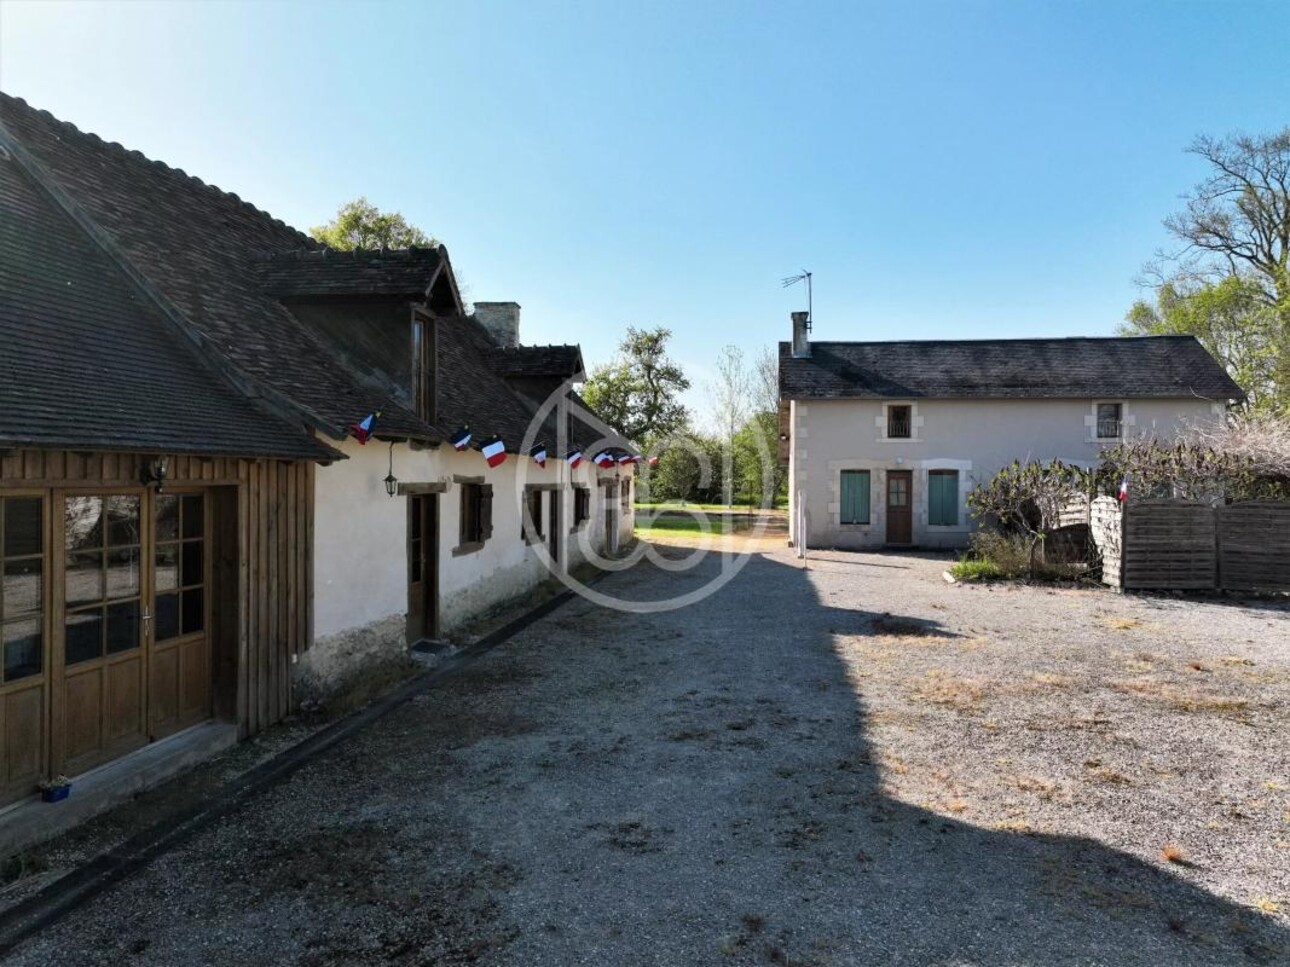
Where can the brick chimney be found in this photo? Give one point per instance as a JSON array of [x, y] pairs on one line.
[[501, 320], [801, 335]]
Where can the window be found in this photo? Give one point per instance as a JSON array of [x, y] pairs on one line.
[[899, 422], [476, 516], [531, 518], [180, 565], [1109, 421], [943, 498], [22, 587], [855, 497], [422, 384], [581, 505]]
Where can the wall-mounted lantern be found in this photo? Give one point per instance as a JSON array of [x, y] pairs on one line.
[[154, 472], [391, 481]]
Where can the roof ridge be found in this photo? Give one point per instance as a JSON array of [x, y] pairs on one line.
[[137, 155], [996, 339]]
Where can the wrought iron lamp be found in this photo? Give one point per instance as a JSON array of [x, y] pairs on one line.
[[391, 481]]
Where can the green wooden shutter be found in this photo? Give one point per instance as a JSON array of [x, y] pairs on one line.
[[855, 497], [943, 498]]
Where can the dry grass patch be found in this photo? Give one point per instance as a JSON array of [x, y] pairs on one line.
[[1122, 624], [1044, 788], [960, 694], [1267, 905], [1106, 774], [1184, 700], [1052, 680], [1236, 660], [1173, 853]]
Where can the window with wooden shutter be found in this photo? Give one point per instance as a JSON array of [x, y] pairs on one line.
[[476, 517], [943, 498], [855, 497]]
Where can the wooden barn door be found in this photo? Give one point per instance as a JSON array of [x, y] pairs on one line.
[[100, 594], [24, 614], [131, 657], [179, 687]]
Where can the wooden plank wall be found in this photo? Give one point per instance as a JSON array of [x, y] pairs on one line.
[[1254, 546], [1170, 544], [275, 538]]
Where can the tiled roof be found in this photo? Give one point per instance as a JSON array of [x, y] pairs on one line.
[[199, 250], [1128, 367], [563, 361], [232, 278], [364, 272], [86, 360]]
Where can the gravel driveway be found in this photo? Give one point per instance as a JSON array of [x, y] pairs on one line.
[[853, 763]]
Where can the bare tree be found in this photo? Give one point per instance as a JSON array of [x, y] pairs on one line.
[[766, 382], [1237, 221], [730, 392]]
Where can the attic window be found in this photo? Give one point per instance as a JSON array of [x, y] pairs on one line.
[[899, 422]]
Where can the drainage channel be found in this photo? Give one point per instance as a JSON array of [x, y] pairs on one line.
[[72, 891]]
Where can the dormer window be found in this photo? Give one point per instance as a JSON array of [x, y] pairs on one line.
[[422, 384], [1110, 424], [899, 422]]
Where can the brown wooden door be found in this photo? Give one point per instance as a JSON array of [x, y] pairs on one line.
[[555, 535], [899, 503], [180, 662], [99, 661], [422, 557]]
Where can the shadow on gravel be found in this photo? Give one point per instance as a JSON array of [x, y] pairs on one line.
[[691, 787]]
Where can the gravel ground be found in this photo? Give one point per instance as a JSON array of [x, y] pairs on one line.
[[853, 763]]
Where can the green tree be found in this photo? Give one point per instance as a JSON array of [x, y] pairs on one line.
[[1232, 320], [360, 224], [638, 393]]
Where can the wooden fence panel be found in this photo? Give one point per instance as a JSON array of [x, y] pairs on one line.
[[1170, 544], [1254, 546]]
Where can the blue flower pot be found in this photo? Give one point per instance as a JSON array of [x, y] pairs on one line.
[[56, 795]]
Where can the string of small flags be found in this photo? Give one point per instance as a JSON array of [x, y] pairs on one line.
[[494, 450]]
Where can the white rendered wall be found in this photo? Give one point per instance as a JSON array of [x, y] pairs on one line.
[[975, 437], [360, 534]]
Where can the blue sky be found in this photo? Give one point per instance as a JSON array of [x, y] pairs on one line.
[[967, 169]]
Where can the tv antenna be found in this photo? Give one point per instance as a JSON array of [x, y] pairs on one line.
[[793, 280]]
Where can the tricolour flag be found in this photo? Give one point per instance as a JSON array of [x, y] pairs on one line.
[[604, 460], [363, 428], [461, 439], [1123, 495], [625, 459], [494, 451], [574, 457], [538, 453], [653, 461]]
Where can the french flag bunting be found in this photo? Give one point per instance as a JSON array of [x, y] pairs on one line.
[[604, 460], [494, 451], [653, 461], [1123, 495], [461, 439], [625, 459], [538, 453], [574, 457], [363, 429]]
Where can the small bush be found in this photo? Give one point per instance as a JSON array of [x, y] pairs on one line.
[[997, 555], [975, 569]]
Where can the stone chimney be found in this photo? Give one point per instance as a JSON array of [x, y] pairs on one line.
[[801, 335], [502, 320]]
